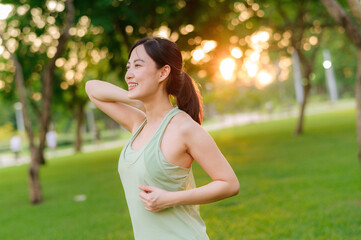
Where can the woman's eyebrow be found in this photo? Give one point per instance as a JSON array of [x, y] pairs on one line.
[[136, 60]]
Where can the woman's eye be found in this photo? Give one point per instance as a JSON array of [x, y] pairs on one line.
[[137, 65]]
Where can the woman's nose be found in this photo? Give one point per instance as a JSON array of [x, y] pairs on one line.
[[129, 75]]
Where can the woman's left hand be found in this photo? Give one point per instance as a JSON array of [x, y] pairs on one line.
[[154, 199]]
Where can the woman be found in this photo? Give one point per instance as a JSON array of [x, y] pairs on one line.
[[155, 164]]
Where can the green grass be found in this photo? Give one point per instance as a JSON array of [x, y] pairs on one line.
[[305, 187]]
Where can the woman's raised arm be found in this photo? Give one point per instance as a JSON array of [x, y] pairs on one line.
[[114, 102]]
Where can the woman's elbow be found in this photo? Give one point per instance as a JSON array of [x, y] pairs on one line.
[[234, 187], [90, 86]]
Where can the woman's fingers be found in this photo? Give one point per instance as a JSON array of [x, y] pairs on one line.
[[143, 195], [146, 189], [154, 199], [148, 196], [147, 199]]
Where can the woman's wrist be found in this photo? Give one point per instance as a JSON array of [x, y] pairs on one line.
[[176, 198], [212, 192], [104, 91]]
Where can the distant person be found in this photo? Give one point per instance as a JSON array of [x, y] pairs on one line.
[[51, 139], [155, 164], [15, 146], [97, 135], [269, 107]]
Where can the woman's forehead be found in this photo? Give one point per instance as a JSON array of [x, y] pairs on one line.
[[138, 53]]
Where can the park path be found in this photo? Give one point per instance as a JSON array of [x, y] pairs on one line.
[[216, 123]]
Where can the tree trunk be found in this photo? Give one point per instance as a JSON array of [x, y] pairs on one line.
[[37, 156], [306, 90], [353, 32], [42, 158], [79, 115], [307, 69], [34, 181], [358, 102]]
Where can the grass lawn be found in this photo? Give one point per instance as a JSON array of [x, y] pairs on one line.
[[305, 187]]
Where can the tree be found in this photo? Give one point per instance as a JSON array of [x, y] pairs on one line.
[[82, 61], [297, 27], [189, 23], [21, 59], [353, 31]]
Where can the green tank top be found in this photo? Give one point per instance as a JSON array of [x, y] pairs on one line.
[[148, 166]]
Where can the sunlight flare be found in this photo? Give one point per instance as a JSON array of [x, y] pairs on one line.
[[236, 53], [264, 78], [209, 46], [5, 10], [198, 54], [227, 68], [251, 67]]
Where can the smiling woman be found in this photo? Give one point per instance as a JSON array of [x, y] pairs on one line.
[[155, 164]]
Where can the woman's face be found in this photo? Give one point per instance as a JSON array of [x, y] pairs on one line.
[[142, 75]]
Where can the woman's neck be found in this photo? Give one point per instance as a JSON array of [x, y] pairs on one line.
[[156, 109]]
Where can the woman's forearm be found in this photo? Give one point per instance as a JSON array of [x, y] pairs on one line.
[[107, 92], [212, 192]]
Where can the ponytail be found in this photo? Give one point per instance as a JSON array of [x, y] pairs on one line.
[[187, 95], [179, 84]]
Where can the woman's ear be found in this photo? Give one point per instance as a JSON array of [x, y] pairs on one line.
[[164, 72]]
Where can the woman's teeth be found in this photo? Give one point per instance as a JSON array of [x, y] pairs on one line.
[[132, 85]]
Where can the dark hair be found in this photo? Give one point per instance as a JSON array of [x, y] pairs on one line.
[[180, 84]]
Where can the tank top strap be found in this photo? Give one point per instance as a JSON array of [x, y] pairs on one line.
[[165, 122]]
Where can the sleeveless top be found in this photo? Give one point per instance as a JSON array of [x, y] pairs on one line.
[[148, 166]]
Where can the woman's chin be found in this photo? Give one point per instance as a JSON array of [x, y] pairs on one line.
[[133, 95]]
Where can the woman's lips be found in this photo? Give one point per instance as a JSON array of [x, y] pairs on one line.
[[132, 85]]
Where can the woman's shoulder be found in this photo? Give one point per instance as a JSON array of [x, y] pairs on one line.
[[184, 124]]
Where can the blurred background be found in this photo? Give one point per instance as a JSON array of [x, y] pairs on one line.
[[276, 62], [242, 55]]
